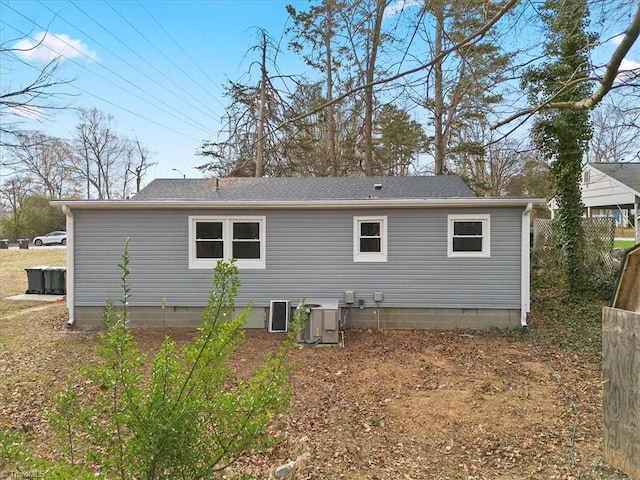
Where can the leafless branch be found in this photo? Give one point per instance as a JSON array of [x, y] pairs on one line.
[[469, 39], [35, 97], [606, 81]]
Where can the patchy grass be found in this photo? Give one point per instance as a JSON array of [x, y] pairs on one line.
[[626, 243], [13, 278]]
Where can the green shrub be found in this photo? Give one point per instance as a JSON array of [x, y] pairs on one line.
[[189, 416]]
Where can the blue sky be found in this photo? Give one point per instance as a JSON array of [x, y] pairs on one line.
[[157, 66]]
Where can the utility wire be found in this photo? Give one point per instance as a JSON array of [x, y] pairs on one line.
[[186, 54], [149, 77], [120, 107], [172, 110], [140, 116]]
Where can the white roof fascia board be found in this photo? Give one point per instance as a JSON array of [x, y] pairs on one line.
[[472, 202]]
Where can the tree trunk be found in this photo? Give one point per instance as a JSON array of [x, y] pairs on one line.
[[262, 113], [368, 91], [438, 113], [331, 121]]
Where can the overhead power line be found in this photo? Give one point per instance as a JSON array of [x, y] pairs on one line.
[[151, 78], [186, 54], [97, 96], [172, 110], [120, 107]]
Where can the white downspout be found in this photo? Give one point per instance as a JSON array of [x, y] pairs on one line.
[[525, 281], [70, 266]]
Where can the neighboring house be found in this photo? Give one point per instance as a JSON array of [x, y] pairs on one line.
[[393, 252], [611, 190]]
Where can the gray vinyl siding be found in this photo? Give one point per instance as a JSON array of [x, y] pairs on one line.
[[309, 254]]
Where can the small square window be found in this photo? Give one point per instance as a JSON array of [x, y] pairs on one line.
[[468, 236], [370, 239]]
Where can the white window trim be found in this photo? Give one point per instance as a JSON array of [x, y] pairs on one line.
[[486, 235], [227, 237], [359, 256]]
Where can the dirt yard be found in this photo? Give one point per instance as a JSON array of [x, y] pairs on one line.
[[390, 405]]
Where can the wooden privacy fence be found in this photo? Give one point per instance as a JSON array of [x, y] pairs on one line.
[[621, 396], [621, 370]]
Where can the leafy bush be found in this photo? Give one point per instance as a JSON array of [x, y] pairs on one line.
[[188, 417]]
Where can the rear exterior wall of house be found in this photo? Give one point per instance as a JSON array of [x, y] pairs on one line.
[[309, 254]]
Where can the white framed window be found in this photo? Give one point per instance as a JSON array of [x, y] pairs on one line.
[[370, 239], [469, 236], [223, 238]]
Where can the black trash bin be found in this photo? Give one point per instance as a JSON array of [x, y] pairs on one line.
[[35, 279], [55, 281], [23, 243], [4, 243]]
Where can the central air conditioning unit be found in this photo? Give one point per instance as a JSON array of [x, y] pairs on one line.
[[323, 322]]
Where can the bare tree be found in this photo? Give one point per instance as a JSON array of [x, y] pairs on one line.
[[363, 23], [35, 98], [610, 79], [462, 89], [467, 41], [137, 158], [47, 160], [606, 82], [615, 134], [505, 161], [316, 30], [100, 155], [532, 180], [13, 193], [489, 166]]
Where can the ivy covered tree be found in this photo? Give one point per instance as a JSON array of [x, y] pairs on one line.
[[562, 136]]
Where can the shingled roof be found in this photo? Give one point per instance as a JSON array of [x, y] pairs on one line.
[[626, 173], [302, 189]]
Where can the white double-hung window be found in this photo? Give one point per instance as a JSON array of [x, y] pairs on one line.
[[469, 236], [223, 238], [370, 239]]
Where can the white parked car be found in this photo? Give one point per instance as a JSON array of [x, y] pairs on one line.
[[57, 237]]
